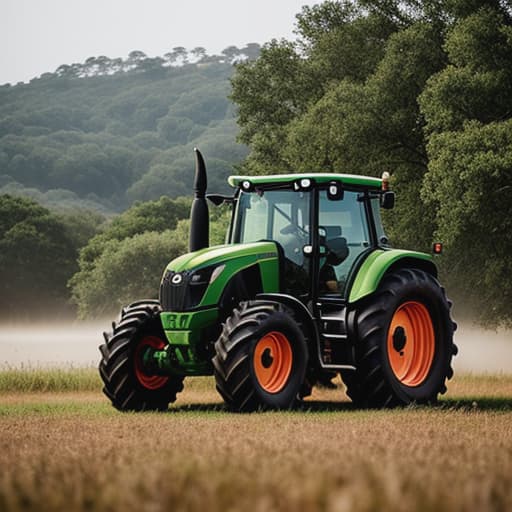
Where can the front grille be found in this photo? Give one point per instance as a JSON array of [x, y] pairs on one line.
[[185, 294], [173, 296]]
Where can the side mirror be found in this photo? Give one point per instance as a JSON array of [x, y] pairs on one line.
[[387, 200], [218, 199]]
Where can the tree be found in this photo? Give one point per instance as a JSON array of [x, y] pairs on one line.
[[175, 129], [346, 40], [270, 92], [135, 57], [468, 108], [477, 83], [179, 55], [153, 216], [376, 126], [126, 270], [420, 89], [199, 53], [251, 51], [231, 54], [469, 188], [37, 257]]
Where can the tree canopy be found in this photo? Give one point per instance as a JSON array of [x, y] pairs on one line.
[[125, 261], [420, 89], [38, 254]]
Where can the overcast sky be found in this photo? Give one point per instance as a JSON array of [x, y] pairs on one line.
[[39, 35]]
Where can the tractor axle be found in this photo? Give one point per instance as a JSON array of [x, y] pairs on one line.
[[160, 361]]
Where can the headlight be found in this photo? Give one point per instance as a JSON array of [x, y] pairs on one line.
[[217, 272]]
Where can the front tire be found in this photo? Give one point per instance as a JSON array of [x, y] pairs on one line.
[[261, 358], [121, 369], [405, 343]]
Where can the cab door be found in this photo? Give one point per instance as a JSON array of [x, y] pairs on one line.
[[344, 237]]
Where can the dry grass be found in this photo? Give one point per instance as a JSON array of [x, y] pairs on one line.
[[40, 378], [72, 451]]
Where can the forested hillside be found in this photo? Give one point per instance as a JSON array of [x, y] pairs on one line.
[[87, 142], [107, 132]]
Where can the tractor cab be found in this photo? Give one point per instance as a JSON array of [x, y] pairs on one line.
[[323, 225]]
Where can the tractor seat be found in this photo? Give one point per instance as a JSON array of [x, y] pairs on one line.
[[337, 250]]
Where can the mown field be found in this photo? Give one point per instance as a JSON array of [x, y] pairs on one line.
[[62, 447]]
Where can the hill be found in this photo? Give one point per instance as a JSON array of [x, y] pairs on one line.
[[108, 132]]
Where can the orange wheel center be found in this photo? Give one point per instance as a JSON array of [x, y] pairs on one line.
[[411, 343], [148, 381], [272, 361]]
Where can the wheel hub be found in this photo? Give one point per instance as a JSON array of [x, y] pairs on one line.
[[399, 339], [149, 381], [266, 358]]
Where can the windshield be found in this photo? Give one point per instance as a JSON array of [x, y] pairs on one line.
[[282, 216]]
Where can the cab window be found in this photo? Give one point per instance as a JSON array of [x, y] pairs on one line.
[[343, 231]]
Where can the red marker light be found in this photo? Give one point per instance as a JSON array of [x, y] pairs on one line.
[[437, 248]]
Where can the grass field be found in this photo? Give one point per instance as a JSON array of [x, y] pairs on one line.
[[63, 447]]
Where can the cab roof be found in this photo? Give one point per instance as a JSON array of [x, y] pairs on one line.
[[346, 179]]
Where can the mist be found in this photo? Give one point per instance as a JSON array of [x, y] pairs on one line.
[[76, 345]]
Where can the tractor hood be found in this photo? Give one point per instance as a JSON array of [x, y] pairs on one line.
[[224, 254], [198, 279]]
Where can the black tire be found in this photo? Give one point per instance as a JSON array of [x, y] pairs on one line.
[[261, 358], [125, 384], [405, 343]]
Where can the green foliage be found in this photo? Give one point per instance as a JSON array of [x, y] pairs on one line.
[[38, 253], [469, 185], [477, 83], [468, 109], [125, 271], [420, 89], [150, 216], [125, 262], [98, 129], [366, 128], [156, 216]]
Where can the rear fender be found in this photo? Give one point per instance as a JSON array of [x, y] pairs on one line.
[[380, 262]]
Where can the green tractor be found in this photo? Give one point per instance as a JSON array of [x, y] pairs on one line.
[[305, 287]]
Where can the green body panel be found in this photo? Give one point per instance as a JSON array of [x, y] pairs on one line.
[[185, 330], [183, 333], [234, 257], [347, 179], [187, 321], [375, 266]]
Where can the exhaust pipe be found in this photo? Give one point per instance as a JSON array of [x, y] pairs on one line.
[[199, 218]]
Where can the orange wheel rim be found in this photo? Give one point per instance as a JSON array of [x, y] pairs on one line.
[[148, 381], [411, 343], [272, 361]]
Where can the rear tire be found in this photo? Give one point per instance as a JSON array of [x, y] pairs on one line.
[[405, 343], [261, 358], [125, 383]]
